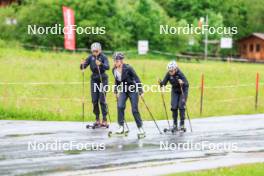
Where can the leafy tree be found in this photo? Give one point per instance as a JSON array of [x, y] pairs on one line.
[[128, 21]]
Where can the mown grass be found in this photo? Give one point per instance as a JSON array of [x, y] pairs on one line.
[[240, 170], [63, 102]]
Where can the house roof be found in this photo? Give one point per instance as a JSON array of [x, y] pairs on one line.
[[258, 35]]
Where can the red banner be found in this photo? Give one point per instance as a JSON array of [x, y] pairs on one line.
[[69, 29]]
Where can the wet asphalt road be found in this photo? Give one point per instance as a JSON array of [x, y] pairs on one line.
[[212, 137]]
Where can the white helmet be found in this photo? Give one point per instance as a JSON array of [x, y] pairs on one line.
[[96, 46], [172, 65]]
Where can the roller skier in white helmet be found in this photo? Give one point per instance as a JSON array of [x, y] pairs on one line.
[[99, 64], [179, 93]]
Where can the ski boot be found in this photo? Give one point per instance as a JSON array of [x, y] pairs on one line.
[[141, 133], [104, 124], [120, 132], [96, 124]]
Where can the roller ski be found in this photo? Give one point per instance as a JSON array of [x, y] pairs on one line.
[[174, 129], [97, 124], [104, 124], [119, 133], [141, 133], [182, 129]]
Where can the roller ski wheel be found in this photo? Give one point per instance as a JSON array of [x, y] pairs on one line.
[[165, 130], [174, 130], [112, 134], [141, 135]]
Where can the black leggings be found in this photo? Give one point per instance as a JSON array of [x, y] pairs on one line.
[[121, 105]]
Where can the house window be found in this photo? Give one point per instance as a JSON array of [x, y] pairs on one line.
[[245, 47], [258, 48], [251, 49]]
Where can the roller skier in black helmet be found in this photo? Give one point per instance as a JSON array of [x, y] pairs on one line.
[[127, 85]]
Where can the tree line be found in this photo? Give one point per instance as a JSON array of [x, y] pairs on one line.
[[127, 21]]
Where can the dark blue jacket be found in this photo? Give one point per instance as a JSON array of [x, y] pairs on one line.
[[174, 81], [90, 61], [129, 77]]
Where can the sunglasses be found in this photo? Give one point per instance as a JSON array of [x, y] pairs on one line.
[[95, 51]]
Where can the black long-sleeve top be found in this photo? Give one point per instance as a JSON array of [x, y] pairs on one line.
[[174, 81], [128, 77], [90, 61]]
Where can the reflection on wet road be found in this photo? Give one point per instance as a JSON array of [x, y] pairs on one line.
[[231, 135]]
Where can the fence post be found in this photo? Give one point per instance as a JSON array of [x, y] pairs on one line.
[[257, 91], [202, 94]]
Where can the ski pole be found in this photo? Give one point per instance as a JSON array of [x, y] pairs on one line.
[[101, 79], [150, 114], [183, 99], [126, 124], [164, 105], [83, 90], [124, 119]]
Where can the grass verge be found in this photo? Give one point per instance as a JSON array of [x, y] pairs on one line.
[[229, 87], [256, 169]]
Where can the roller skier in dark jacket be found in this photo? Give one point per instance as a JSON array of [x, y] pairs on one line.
[[98, 63], [127, 85], [179, 93]]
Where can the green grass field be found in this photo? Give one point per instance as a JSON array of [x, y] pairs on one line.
[[240, 170], [63, 101]]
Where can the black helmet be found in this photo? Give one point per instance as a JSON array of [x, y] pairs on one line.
[[118, 56]]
